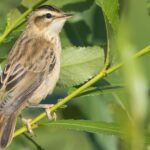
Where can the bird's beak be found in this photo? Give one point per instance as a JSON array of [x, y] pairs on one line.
[[68, 16], [65, 16]]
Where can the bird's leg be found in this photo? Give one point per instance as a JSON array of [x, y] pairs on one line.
[[50, 116], [47, 107], [27, 123]]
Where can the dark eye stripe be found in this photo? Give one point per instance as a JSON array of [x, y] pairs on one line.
[[48, 16]]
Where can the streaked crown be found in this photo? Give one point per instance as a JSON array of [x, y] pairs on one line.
[[48, 18]]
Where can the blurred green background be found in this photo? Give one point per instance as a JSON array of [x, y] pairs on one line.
[[87, 28]]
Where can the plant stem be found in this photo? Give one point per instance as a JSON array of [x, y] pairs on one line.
[[19, 21], [98, 77]]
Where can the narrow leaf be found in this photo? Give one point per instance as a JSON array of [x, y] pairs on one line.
[[148, 6], [93, 91], [29, 3], [110, 9], [66, 2], [58, 3], [97, 127], [87, 126]]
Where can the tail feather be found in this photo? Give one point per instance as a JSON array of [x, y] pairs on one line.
[[7, 127]]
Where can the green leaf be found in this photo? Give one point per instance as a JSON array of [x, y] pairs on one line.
[[13, 15], [29, 3], [148, 6], [66, 2], [79, 64], [93, 91], [2, 59], [87, 126], [110, 9], [97, 127], [58, 3]]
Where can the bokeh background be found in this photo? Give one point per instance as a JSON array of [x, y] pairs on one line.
[[87, 28]]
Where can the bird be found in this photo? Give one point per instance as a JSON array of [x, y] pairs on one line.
[[33, 67]]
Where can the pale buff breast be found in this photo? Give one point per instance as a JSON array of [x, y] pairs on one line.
[[50, 81]]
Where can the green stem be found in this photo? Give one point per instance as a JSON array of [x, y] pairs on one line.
[[81, 89], [19, 21]]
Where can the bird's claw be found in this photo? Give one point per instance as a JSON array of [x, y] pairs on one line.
[[50, 116], [47, 107], [27, 122]]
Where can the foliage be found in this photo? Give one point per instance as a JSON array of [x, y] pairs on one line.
[[85, 125], [86, 58], [109, 101]]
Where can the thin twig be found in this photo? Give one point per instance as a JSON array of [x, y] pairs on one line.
[[33, 141], [98, 77]]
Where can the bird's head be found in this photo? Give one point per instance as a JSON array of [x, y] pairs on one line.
[[48, 19]]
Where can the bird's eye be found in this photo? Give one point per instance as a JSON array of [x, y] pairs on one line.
[[48, 15]]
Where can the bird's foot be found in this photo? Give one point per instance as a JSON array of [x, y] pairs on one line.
[[47, 107], [27, 122]]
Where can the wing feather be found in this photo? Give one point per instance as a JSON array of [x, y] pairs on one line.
[[26, 70]]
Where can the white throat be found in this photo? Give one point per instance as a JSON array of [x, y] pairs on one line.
[[56, 27]]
